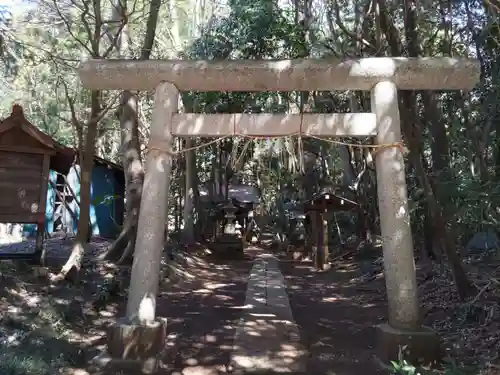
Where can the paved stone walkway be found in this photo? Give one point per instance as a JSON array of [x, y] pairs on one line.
[[265, 316], [267, 337]]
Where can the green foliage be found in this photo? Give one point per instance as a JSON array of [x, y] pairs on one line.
[[404, 368], [105, 199], [450, 367], [14, 365]]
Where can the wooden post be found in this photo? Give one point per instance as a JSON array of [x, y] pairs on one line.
[[308, 224], [317, 236], [323, 262], [40, 228], [325, 248]]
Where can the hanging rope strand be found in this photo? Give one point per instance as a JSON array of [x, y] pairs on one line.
[[159, 145]]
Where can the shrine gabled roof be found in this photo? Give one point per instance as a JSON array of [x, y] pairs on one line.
[[337, 198], [64, 157], [17, 119], [239, 192]]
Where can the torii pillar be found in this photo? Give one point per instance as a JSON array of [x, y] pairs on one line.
[[383, 77]]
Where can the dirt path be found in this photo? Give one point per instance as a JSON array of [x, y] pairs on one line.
[[335, 318], [202, 319], [327, 313]]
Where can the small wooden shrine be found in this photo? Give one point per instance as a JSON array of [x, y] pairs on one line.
[[318, 211], [231, 220], [295, 223], [25, 154]]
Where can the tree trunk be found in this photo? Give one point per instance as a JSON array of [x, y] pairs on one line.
[[73, 265], [188, 232], [411, 129], [440, 150], [122, 248], [464, 287], [196, 197]]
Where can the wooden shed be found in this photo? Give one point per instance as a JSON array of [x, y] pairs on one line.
[[25, 154]]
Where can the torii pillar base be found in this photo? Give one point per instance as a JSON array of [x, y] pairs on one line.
[[420, 347], [133, 348]]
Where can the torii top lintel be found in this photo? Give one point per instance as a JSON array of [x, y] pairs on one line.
[[283, 75]]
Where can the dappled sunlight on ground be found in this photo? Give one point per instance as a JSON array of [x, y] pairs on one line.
[[267, 338], [45, 327], [213, 317], [202, 318], [335, 319]]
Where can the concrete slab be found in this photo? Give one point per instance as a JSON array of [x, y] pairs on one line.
[[267, 338]]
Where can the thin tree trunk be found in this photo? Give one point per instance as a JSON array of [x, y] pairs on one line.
[[411, 130], [123, 247], [73, 265], [196, 197], [189, 195]]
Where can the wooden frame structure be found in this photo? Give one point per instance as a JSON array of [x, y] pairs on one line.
[[25, 154], [26, 157], [383, 77], [318, 209]]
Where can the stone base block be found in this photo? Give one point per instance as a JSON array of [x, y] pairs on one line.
[[228, 246], [297, 255], [418, 347], [133, 347], [109, 365], [40, 272]]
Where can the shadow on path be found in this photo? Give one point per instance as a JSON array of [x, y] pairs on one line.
[[335, 318], [334, 313], [202, 318]]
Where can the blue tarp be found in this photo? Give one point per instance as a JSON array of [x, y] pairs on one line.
[[106, 209], [105, 191]]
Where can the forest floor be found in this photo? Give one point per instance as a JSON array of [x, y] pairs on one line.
[[470, 330], [48, 328]]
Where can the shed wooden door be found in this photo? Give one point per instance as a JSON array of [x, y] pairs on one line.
[[20, 184]]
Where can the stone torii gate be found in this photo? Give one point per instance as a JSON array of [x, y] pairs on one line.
[[382, 76]]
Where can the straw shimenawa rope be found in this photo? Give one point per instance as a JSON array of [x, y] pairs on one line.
[[161, 145]]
